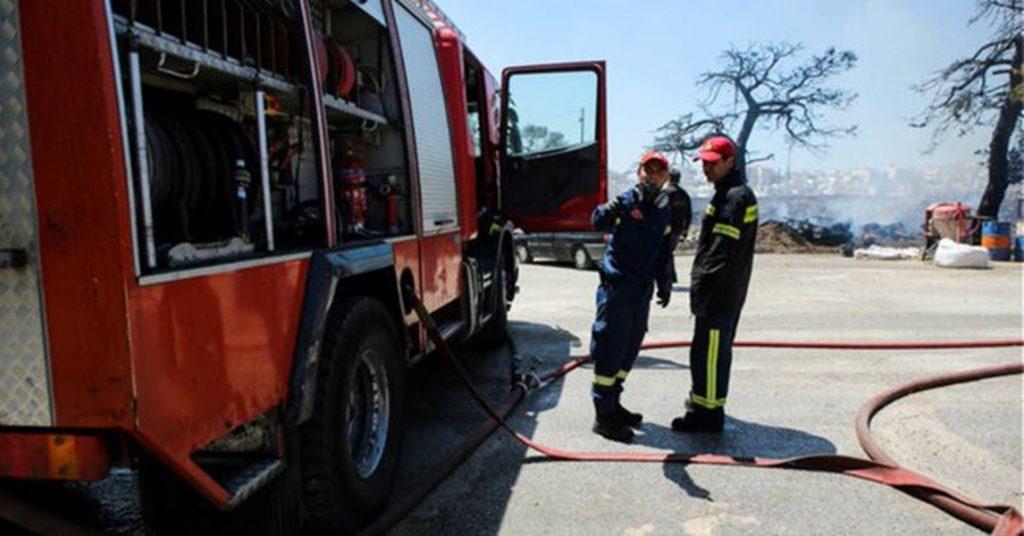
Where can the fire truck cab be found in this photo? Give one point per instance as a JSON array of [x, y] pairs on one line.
[[214, 214]]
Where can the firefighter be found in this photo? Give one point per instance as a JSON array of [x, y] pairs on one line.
[[679, 205], [718, 287], [638, 259]]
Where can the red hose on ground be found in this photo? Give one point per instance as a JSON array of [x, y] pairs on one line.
[[1000, 520], [427, 484], [950, 345], [983, 517], [807, 345]]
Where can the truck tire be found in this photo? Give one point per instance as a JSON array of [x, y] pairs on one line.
[[523, 254], [496, 330], [170, 506], [580, 259], [350, 444]]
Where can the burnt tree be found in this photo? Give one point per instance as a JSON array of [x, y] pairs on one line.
[[985, 89], [686, 133], [766, 85]]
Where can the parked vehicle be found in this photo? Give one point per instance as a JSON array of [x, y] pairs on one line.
[[584, 250]]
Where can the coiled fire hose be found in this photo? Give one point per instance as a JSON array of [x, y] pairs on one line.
[[1000, 520]]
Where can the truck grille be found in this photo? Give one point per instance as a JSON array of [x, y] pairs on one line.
[[24, 370]]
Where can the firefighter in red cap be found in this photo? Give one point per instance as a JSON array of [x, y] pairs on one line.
[[638, 260], [718, 286]]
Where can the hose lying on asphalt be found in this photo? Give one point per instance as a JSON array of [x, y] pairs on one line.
[[943, 345], [983, 517], [998, 519]]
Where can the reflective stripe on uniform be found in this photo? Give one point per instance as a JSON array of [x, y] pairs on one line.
[[618, 221], [727, 230], [711, 210], [712, 364], [604, 381], [622, 374], [707, 403], [668, 230], [751, 215]]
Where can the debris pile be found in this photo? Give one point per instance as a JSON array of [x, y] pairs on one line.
[[781, 237], [893, 235], [806, 236], [834, 234]]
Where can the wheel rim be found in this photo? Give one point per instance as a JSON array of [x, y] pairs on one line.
[[580, 258], [369, 412]]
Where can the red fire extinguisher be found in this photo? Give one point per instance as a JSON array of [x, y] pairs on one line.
[[389, 190], [352, 184]]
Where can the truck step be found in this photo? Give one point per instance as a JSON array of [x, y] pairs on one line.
[[248, 481]]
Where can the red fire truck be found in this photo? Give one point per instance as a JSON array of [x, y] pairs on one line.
[[213, 214]]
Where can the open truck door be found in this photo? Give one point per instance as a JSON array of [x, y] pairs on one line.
[[554, 149]]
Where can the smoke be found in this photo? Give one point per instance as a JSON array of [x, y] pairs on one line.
[[863, 199]]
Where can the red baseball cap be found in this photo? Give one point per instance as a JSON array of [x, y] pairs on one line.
[[715, 149], [653, 155]]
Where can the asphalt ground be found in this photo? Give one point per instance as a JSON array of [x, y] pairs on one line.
[[781, 403]]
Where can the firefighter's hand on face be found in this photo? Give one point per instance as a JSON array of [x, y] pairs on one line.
[[664, 293]]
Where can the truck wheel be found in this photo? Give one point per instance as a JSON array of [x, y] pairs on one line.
[[350, 443], [523, 254], [580, 259], [495, 331]]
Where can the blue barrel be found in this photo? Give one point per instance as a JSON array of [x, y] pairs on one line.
[[1018, 252], [995, 236]]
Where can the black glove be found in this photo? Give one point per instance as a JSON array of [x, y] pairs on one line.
[[664, 294], [615, 206]]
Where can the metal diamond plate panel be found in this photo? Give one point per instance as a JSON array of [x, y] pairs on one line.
[[24, 371]]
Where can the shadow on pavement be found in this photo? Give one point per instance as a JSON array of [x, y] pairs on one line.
[[740, 439], [440, 414]]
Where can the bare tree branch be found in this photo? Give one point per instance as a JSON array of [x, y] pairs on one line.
[[985, 89], [770, 156], [771, 89]]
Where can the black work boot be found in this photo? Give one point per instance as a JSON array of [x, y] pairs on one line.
[[709, 421], [611, 427], [627, 417]]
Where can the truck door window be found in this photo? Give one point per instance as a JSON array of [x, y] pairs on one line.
[[551, 111]]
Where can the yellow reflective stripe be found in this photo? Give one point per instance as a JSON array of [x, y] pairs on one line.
[[622, 374], [712, 372], [495, 228], [727, 230], [706, 403], [604, 381], [618, 221], [711, 210], [751, 215], [668, 230]]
